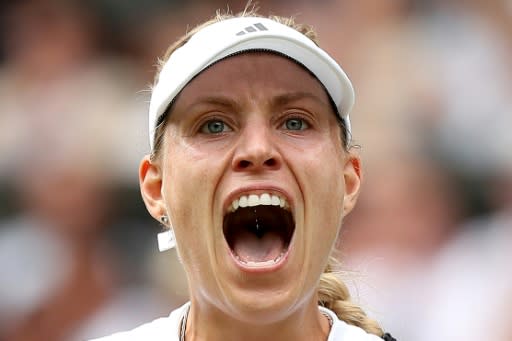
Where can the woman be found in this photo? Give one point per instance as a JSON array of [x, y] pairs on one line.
[[252, 169]]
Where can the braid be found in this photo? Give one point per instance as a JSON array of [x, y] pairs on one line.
[[334, 295]]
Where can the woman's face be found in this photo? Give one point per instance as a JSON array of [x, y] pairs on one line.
[[255, 181]]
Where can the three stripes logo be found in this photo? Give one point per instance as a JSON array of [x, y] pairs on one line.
[[252, 28]]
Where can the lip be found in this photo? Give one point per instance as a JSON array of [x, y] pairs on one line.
[[258, 190]]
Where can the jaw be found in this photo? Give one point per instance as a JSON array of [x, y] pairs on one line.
[[245, 279], [264, 275]]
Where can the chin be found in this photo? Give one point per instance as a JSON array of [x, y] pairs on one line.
[[268, 298]]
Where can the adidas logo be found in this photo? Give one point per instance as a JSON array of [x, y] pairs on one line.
[[252, 28]]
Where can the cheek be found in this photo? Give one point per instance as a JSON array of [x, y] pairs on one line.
[[322, 186], [186, 191], [189, 172], [191, 177], [186, 198], [323, 178]]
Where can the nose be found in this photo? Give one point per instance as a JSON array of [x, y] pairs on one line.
[[256, 150]]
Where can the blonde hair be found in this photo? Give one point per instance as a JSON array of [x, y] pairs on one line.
[[334, 295], [332, 292]]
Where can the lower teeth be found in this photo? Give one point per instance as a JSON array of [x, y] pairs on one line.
[[268, 262]]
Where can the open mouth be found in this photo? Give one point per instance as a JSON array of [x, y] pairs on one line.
[[259, 229]]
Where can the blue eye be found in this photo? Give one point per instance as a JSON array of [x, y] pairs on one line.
[[214, 127], [295, 124]]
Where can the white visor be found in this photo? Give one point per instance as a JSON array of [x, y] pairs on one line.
[[225, 38]]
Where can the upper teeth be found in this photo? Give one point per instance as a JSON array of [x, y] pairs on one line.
[[257, 200]]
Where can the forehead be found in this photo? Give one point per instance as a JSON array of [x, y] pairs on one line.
[[256, 74]]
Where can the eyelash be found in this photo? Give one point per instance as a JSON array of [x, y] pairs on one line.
[[203, 125], [301, 117], [286, 117]]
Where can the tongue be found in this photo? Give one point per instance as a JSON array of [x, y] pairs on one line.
[[251, 248]]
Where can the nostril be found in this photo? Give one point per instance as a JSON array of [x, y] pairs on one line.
[[255, 164], [244, 164], [270, 162]]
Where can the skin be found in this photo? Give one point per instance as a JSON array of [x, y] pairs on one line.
[[277, 132]]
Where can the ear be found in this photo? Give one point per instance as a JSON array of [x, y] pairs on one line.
[[150, 181], [352, 177]]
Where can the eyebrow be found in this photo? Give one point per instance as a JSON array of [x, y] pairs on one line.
[[219, 100], [295, 96], [280, 99]]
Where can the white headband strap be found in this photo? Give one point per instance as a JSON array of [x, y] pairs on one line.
[[222, 39]]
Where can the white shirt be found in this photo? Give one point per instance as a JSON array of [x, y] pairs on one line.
[[167, 329]]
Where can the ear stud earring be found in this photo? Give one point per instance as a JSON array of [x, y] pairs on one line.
[[164, 219]]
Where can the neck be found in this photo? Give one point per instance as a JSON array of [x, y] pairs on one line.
[[211, 324]]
